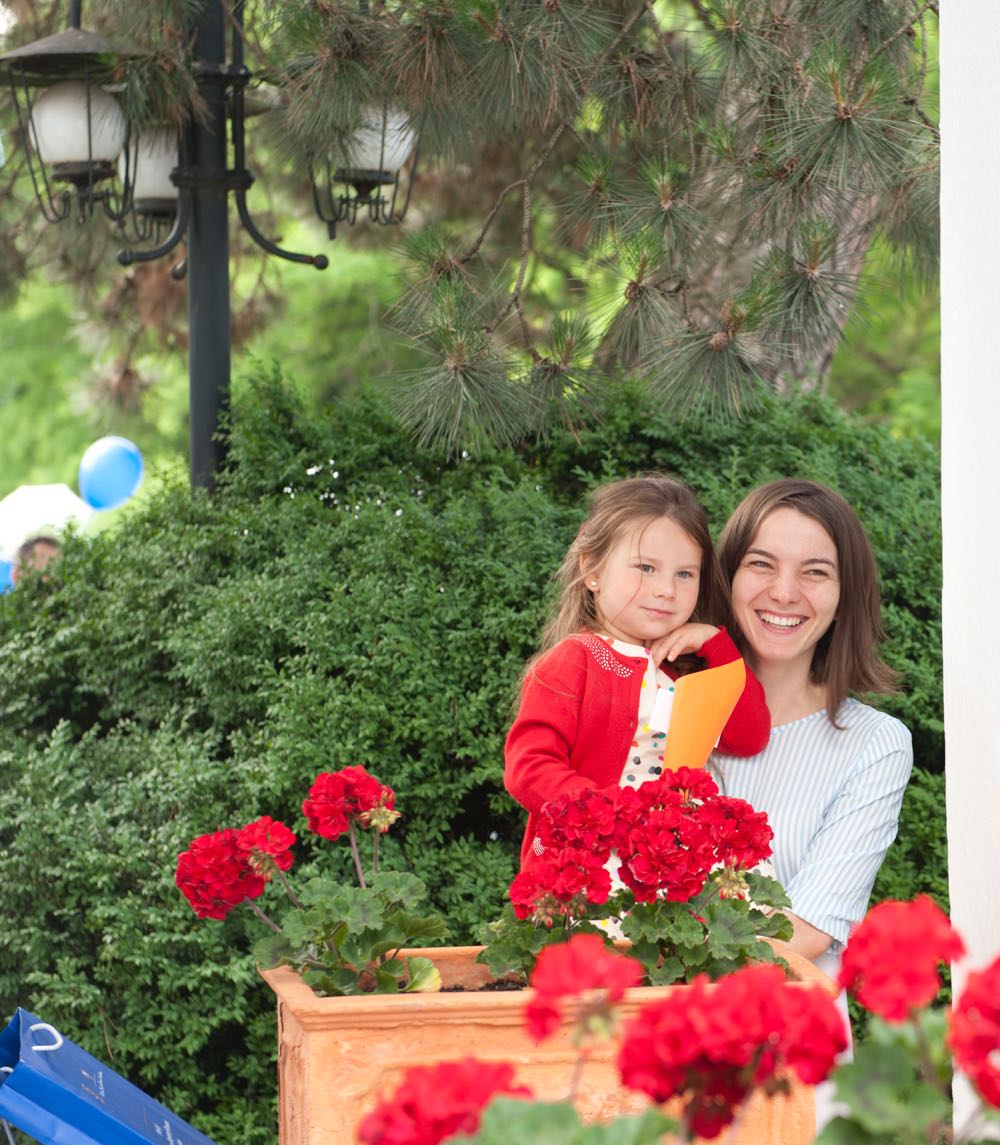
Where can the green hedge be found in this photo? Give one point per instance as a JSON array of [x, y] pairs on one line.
[[343, 598]]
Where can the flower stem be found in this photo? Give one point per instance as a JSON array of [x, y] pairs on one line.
[[375, 840], [263, 917], [357, 857], [574, 1081], [289, 890]]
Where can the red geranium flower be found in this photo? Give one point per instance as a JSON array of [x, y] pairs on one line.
[[712, 1044], [434, 1103], [667, 854], [584, 819], [214, 874], [566, 970], [891, 960], [339, 798], [741, 836], [560, 883], [974, 1034], [268, 844]]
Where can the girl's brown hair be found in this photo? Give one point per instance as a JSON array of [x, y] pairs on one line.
[[846, 658], [615, 508]]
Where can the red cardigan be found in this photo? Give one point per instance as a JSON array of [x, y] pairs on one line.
[[577, 720]]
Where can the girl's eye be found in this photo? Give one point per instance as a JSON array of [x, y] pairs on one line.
[[645, 568], [686, 574]]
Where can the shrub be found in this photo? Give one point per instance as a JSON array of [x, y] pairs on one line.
[[342, 598]]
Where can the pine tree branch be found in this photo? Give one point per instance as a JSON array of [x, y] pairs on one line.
[[543, 156], [902, 30], [703, 15]]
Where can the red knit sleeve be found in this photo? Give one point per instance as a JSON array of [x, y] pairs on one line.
[[749, 727], [541, 739]]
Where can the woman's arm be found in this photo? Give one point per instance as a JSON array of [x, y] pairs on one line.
[[833, 883], [806, 939]]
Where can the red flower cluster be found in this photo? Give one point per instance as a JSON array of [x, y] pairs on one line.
[[668, 835], [434, 1103], [974, 1034], [891, 960], [219, 871], [268, 844], [577, 834], [339, 798], [566, 970], [671, 833], [712, 1044]]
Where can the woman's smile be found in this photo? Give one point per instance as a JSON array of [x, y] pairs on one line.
[[787, 587]]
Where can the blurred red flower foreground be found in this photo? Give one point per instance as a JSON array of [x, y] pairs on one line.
[[712, 1044]]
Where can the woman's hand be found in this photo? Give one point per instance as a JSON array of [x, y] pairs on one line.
[[687, 638]]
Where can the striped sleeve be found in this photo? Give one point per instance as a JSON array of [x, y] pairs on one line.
[[832, 796], [834, 879]]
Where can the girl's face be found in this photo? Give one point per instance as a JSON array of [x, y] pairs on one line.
[[648, 584], [786, 590]]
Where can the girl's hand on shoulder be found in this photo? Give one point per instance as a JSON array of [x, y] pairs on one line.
[[687, 638]]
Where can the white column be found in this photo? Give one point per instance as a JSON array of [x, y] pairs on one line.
[[970, 352]]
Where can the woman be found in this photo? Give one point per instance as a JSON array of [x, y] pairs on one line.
[[805, 611]]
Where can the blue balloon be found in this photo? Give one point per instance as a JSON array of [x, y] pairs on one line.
[[6, 576], [110, 472]]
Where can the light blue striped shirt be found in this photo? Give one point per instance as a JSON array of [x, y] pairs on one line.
[[832, 798]]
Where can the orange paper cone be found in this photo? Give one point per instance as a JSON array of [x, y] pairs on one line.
[[703, 702]]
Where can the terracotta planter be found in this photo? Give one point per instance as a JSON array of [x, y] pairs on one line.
[[337, 1056]]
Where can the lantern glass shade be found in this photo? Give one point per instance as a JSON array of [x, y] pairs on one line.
[[63, 133], [380, 146], [151, 158]]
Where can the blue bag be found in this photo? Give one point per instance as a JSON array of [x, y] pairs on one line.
[[58, 1094]]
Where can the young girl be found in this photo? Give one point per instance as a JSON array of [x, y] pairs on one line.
[[640, 569]]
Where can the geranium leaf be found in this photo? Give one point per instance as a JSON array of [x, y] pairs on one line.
[[398, 887], [418, 927], [505, 1120], [425, 978], [272, 950], [766, 891], [385, 981]]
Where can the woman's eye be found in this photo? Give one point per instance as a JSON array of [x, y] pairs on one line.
[[758, 564]]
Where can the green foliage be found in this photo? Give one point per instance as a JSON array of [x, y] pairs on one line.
[[672, 940], [893, 1100], [753, 158], [343, 598], [505, 1120], [340, 937]]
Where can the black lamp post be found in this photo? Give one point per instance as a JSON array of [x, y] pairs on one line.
[[78, 65]]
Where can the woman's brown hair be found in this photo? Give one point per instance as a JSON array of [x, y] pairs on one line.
[[846, 658], [615, 508]]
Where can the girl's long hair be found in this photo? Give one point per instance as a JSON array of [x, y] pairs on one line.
[[614, 509]]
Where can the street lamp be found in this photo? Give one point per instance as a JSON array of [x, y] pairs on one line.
[[163, 187]]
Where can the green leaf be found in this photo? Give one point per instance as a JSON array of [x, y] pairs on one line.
[[417, 929], [424, 976], [506, 1120], [765, 891], [398, 887], [385, 981], [272, 950]]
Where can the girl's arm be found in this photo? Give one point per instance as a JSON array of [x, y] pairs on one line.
[[540, 741], [749, 727]]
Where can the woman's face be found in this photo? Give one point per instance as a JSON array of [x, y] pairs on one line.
[[786, 589]]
